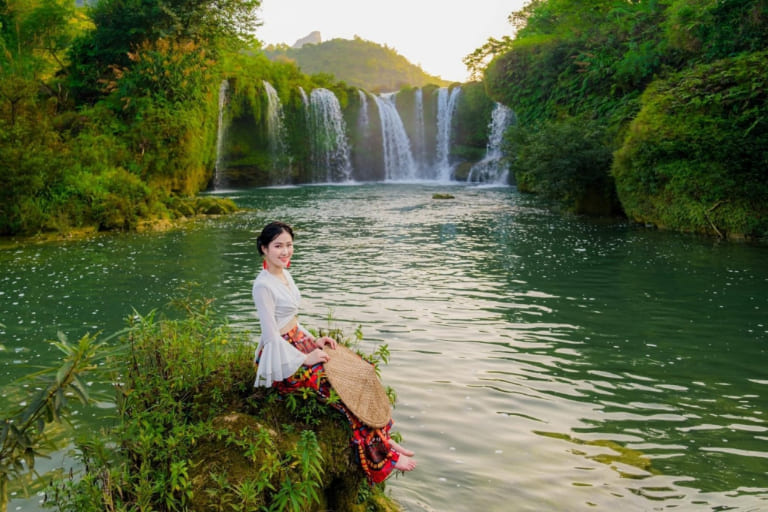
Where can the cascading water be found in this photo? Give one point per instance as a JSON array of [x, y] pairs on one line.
[[362, 118], [446, 104], [419, 143], [492, 168], [276, 134], [398, 160], [386, 150], [330, 158], [305, 102], [220, 133]]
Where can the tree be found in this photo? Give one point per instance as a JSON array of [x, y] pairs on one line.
[[41, 30], [121, 26], [478, 60]]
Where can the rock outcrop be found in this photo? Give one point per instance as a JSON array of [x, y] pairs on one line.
[[312, 38]]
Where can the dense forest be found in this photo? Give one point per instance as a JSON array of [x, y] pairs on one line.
[[108, 113], [357, 62], [652, 108]]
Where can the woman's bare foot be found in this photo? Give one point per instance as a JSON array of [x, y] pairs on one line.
[[400, 449], [405, 463]]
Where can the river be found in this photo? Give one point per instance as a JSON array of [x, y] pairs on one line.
[[542, 361]]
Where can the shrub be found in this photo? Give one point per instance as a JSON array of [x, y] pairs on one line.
[[694, 159], [195, 435], [567, 161]]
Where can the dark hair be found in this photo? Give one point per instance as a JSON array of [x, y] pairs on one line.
[[270, 232]]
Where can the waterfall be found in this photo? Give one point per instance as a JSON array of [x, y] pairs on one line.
[[276, 134], [362, 118], [328, 138], [492, 168], [305, 102], [446, 104], [398, 160], [419, 142], [220, 132]]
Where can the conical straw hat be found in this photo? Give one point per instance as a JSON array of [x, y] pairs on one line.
[[356, 383]]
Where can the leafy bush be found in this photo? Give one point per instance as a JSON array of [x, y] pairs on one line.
[[473, 112], [568, 161], [195, 435], [694, 158], [24, 435]]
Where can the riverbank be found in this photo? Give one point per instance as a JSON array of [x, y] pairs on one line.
[[180, 212]]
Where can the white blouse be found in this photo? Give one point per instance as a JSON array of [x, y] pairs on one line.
[[277, 305]]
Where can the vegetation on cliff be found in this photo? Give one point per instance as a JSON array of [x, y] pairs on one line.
[[695, 156], [107, 113], [359, 63], [571, 66]]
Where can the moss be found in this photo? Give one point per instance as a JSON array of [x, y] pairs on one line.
[[209, 205], [263, 413], [694, 158]]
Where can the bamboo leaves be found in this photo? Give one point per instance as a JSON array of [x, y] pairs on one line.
[[24, 435]]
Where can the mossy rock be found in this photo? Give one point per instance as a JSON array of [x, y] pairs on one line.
[[223, 454], [208, 205], [201, 205], [694, 158], [183, 208]]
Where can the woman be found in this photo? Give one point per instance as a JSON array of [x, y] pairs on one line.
[[290, 358]]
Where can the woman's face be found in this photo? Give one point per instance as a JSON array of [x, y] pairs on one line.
[[279, 251]]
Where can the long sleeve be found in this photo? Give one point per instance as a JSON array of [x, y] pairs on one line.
[[279, 359]]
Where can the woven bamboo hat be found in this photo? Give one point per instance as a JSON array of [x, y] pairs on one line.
[[358, 386]]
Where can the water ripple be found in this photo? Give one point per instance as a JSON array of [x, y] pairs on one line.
[[548, 361]]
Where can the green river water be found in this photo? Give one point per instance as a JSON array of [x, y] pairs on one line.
[[542, 362]]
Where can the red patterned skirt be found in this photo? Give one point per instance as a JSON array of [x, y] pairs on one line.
[[371, 445]]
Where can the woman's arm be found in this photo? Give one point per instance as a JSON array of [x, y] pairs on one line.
[[279, 359]]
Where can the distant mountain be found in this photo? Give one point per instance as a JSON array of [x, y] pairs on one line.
[[312, 38], [357, 62]]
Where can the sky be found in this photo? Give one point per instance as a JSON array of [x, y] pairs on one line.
[[433, 34]]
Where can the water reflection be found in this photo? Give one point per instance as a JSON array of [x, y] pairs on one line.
[[543, 362]]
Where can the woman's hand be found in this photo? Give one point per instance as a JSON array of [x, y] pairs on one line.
[[325, 340], [316, 356]]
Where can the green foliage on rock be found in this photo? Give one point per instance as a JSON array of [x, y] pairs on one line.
[[695, 157], [470, 135], [571, 64], [568, 161], [194, 434]]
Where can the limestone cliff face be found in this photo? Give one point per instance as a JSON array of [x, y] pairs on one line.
[[312, 38]]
